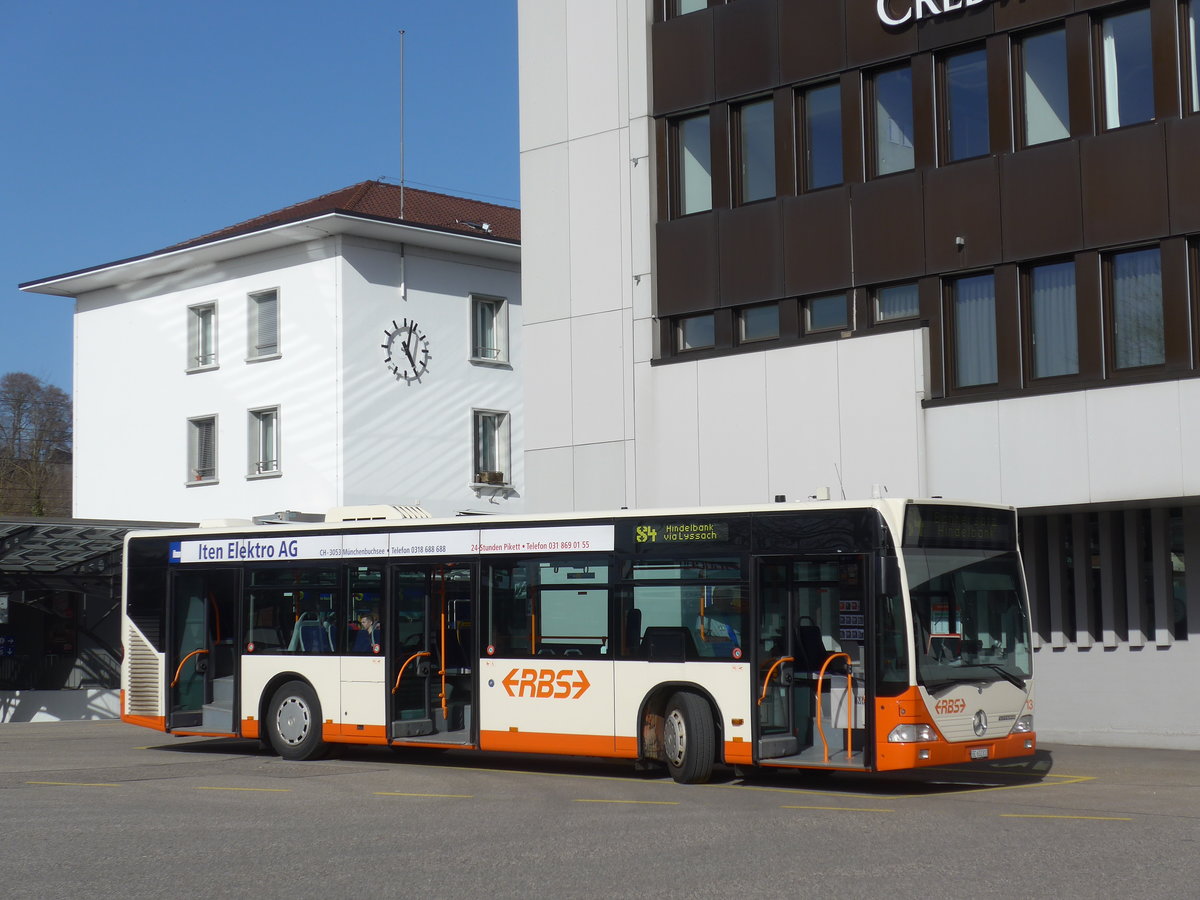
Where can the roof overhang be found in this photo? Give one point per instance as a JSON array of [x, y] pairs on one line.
[[169, 261]]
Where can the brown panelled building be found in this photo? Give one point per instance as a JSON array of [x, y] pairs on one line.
[[972, 156]]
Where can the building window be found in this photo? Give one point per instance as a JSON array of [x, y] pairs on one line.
[[758, 323], [897, 301], [489, 329], [821, 113], [973, 300], [693, 165], [1043, 86], [1127, 64], [825, 313], [1192, 25], [1135, 283], [756, 150], [683, 7], [202, 337], [202, 450], [1053, 335], [696, 332], [491, 447], [263, 339], [264, 441], [965, 93], [893, 135]]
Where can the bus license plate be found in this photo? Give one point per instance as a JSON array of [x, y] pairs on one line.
[[979, 753]]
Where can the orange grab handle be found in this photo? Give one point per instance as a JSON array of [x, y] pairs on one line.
[[175, 680], [770, 672], [849, 710], [400, 674]]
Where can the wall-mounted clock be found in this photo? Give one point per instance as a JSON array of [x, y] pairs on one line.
[[406, 350]]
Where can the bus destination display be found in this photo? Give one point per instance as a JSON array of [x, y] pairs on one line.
[[959, 527]]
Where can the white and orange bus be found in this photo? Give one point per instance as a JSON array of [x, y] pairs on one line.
[[880, 635]]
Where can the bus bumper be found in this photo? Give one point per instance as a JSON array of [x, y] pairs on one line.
[[890, 756]]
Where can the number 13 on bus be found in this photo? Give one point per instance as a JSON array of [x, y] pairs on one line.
[[874, 636]]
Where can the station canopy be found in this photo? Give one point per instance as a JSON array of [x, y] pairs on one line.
[[61, 554]]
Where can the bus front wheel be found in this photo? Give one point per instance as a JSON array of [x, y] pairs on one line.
[[294, 722], [689, 739]]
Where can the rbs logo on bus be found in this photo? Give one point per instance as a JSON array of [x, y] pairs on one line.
[[546, 683], [950, 706]]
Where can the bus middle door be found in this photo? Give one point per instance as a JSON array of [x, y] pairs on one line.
[[811, 686], [433, 686]]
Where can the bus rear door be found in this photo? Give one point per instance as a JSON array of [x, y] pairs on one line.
[[433, 682], [810, 688]]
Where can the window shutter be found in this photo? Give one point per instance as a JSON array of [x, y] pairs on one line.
[[266, 332]]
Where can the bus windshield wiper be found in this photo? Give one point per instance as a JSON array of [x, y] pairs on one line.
[[1010, 677]]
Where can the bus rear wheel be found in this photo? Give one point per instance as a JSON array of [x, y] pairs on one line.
[[294, 722], [689, 739]]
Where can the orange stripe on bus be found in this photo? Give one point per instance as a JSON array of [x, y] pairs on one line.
[[737, 752], [374, 732], [566, 744], [158, 723], [250, 728]]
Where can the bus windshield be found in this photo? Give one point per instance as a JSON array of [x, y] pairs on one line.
[[969, 619]]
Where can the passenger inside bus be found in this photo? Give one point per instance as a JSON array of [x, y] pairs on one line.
[[369, 636]]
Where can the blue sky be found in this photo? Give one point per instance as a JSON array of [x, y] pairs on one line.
[[131, 125]]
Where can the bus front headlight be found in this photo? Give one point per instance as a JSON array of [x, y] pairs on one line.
[[912, 734], [1024, 725]]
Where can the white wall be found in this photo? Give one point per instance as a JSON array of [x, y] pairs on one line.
[[586, 196], [350, 432], [1115, 444], [412, 442], [133, 395]]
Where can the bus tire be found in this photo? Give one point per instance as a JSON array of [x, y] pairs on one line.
[[294, 722], [689, 739]]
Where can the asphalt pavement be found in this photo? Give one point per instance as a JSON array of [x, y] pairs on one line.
[[105, 809]]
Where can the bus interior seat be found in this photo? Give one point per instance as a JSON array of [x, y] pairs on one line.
[[668, 643], [810, 648], [633, 629]]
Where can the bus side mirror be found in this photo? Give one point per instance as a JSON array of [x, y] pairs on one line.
[[889, 576]]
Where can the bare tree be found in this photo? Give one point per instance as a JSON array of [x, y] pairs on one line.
[[35, 447]]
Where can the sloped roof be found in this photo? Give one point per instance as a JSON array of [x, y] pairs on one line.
[[391, 202]]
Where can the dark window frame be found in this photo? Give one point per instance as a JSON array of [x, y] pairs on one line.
[[847, 324], [675, 179], [1025, 298], [1017, 76], [1099, 91], [873, 299], [803, 136], [1108, 305], [737, 178], [870, 118], [944, 121], [950, 336]]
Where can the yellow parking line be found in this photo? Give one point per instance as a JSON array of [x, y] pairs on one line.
[[1088, 818], [74, 783], [639, 802], [841, 808], [440, 796], [259, 790]]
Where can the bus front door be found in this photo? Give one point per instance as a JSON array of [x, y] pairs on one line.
[[433, 665], [811, 688], [202, 670]]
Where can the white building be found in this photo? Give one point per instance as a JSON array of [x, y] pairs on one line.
[[362, 347], [653, 380]]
